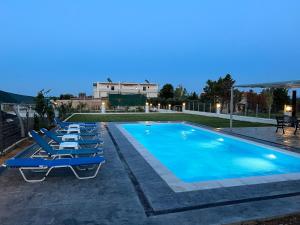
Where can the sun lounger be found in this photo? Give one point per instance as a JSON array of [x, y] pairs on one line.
[[83, 130], [45, 166], [59, 140], [61, 132], [52, 152], [87, 125]]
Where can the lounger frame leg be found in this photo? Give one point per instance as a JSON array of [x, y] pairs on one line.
[[48, 170], [86, 177], [22, 169]]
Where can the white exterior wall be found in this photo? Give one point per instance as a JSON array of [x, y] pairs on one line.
[[101, 90]]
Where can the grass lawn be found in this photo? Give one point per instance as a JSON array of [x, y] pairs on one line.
[[204, 120]]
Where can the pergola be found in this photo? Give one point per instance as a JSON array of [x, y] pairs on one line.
[[283, 84]]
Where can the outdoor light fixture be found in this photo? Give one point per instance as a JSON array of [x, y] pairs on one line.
[[218, 105], [288, 108], [183, 106], [103, 110], [158, 106], [147, 107]]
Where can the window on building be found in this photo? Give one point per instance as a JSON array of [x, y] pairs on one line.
[[144, 88], [112, 88]]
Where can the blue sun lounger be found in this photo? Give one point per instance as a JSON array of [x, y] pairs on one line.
[[64, 152], [63, 131], [45, 166], [83, 130], [59, 140], [87, 124]]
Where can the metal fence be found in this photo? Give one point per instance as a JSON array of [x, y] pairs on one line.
[[239, 109], [10, 130], [200, 106]]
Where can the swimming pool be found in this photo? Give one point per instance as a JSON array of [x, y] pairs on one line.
[[184, 154]]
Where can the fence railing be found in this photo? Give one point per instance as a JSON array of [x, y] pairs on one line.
[[239, 109], [10, 130]]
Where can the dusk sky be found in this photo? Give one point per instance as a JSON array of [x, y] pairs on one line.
[[67, 45]]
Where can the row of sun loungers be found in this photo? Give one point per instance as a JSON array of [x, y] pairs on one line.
[[55, 151]]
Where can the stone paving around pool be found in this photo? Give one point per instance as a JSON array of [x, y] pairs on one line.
[[128, 191], [269, 134]]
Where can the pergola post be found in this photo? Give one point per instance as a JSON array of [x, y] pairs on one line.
[[294, 103], [231, 106]]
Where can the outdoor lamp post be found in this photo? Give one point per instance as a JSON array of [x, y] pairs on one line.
[[169, 106], [183, 106], [103, 110], [218, 106], [147, 108]]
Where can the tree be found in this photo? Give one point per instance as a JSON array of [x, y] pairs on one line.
[[252, 100], [225, 86], [50, 114], [62, 111], [81, 106], [281, 98], [268, 93], [167, 91], [219, 90], [193, 96], [180, 92], [211, 91], [40, 104]]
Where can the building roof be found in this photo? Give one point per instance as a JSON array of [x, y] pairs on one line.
[[7, 97], [282, 84], [125, 83]]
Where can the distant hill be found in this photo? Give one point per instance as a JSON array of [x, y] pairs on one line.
[[7, 97]]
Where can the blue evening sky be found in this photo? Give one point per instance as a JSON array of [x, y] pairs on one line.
[[65, 45]]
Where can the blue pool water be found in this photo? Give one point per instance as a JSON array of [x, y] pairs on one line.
[[196, 154]]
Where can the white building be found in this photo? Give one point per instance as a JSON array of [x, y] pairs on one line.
[[103, 89]]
